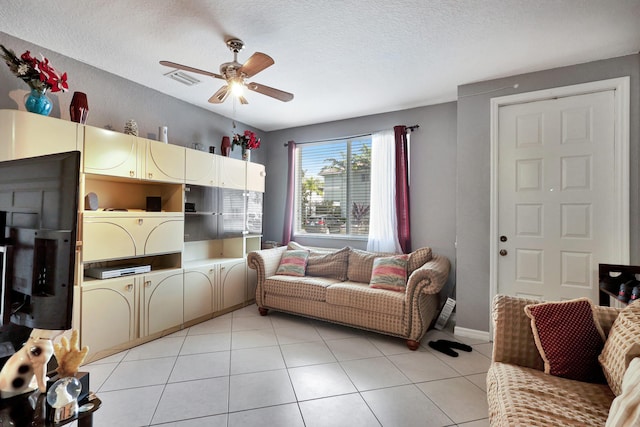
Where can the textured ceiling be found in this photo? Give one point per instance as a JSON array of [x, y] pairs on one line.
[[341, 59]]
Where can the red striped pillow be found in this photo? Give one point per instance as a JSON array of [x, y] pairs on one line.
[[390, 273], [293, 263]]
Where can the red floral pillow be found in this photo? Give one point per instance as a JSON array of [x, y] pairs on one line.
[[569, 338]]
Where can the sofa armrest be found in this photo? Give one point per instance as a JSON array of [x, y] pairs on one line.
[[430, 278], [422, 299], [265, 262], [513, 340]]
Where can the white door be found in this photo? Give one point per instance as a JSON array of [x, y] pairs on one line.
[[556, 179]]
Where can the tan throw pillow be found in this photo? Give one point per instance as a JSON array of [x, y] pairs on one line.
[[331, 264], [623, 344], [361, 264], [418, 258], [568, 337], [625, 409]]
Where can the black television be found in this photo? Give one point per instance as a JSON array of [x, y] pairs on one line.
[[38, 214]]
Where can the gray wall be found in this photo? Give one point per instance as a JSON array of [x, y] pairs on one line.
[[113, 100], [433, 174], [472, 199]]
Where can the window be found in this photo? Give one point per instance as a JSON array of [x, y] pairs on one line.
[[333, 187]]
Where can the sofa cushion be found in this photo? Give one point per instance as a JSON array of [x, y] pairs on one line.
[[325, 263], [625, 409], [418, 258], [568, 338], [293, 263], [529, 397], [361, 264], [360, 295], [622, 345], [390, 273], [333, 264], [311, 288]]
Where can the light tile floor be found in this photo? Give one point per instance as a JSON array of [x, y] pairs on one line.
[[242, 369]]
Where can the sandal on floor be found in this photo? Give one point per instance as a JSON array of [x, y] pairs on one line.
[[456, 345], [442, 348]]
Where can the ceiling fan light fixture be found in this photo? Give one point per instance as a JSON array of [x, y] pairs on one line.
[[237, 88]]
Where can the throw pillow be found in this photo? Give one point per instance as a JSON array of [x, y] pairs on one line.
[[623, 344], [568, 337], [390, 273], [418, 258], [293, 263], [329, 264], [625, 409]]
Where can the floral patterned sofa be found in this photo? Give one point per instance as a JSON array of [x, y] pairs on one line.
[[335, 286]]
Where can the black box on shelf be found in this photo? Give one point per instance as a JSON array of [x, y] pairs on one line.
[[154, 204]]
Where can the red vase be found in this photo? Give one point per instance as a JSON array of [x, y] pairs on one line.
[[225, 148], [79, 108]]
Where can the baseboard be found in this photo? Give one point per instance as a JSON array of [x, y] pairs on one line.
[[472, 333]]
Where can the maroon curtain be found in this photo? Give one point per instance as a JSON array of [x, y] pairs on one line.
[[290, 201], [402, 188]]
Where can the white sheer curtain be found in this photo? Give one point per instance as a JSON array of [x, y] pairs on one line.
[[383, 224]]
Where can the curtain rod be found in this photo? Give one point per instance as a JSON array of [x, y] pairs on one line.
[[409, 128]]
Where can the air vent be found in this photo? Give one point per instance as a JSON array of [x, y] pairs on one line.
[[183, 78]]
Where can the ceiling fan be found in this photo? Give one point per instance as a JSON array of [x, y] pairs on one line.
[[235, 74]]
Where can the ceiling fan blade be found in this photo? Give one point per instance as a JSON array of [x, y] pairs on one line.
[[269, 91], [256, 63], [220, 95], [191, 69]]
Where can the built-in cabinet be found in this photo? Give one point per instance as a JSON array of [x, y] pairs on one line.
[[197, 259], [109, 314]]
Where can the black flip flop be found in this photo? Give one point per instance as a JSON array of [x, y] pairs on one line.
[[442, 348], [456, 345]]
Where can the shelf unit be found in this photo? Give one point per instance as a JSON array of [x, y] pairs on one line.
[[189, 281]]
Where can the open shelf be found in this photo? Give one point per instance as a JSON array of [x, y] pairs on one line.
[[611, 276]]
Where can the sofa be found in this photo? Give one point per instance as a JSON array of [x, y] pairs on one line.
[[337, 286], [524, 390]]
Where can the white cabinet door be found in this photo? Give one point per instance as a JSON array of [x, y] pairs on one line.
[[25, 134], [105, 238], [163, 162], [233, 283], [110, 153], [200, 168], [198, 291], [161, 301], [256, 176], [109, 313], [231, 172]]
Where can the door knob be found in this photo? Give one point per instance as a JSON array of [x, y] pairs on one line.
[[503, 238], [503, 252]]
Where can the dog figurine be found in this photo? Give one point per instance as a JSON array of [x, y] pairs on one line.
[[32, 359]]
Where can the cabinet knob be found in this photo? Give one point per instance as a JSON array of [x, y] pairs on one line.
[[129, 287], [263, 173], [222, 268], [150, 175], [132, 173], [140, 221], [147, 283]]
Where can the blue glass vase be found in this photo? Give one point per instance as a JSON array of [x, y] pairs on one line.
[[38, 102]]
